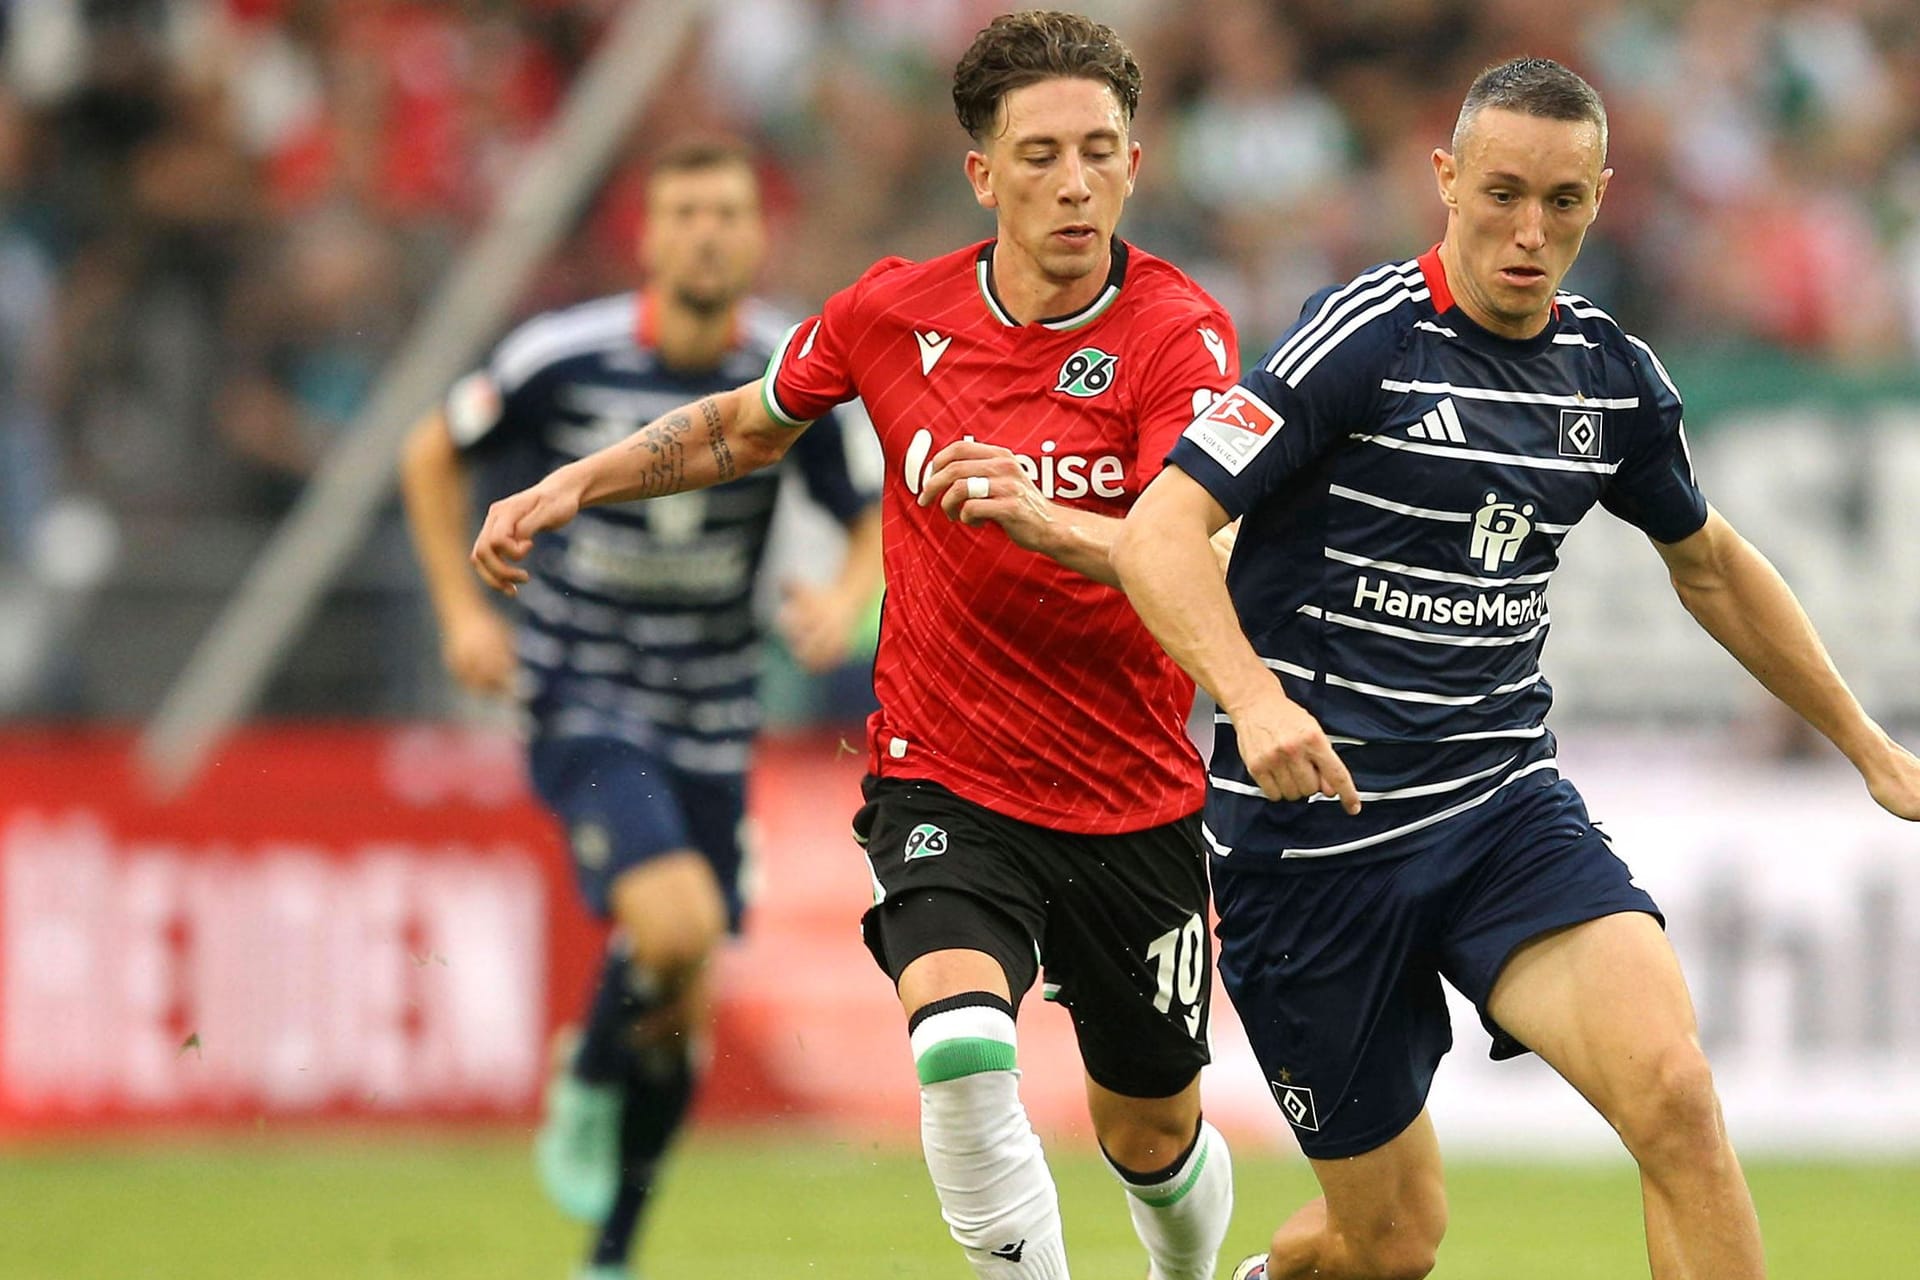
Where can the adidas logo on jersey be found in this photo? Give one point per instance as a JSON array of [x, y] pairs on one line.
[[1442, 422]]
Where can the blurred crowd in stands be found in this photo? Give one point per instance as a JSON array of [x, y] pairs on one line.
[[217, 217]]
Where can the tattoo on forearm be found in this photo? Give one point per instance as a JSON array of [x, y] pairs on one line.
[[662, 444], [717, 439]]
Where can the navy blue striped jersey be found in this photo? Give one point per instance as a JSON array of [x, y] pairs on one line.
[[638, 621], [1404, 479]]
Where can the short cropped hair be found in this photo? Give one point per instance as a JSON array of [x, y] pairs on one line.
[[1537, 87], [700, 154], [1019, 49]]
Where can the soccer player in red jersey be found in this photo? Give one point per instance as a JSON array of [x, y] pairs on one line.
[[1032, 795]]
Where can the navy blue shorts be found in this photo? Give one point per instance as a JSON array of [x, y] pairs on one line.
[[1335, 970], [621, 805]]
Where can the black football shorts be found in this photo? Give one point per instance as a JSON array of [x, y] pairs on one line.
[[1116, 924]]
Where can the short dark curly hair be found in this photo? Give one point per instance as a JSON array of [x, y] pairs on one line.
[[1019, 49]]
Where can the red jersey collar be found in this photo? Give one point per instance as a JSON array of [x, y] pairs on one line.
[[646, 323], [1435, 272]]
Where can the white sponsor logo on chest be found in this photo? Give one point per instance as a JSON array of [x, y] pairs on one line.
[[1056, 475]]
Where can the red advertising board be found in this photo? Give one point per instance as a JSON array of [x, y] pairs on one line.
[[330, 922], [379, 923]]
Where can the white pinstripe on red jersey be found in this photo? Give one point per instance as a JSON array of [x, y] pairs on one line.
[[1015, 682]]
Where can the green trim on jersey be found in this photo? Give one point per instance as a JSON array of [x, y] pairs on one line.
[[767, 399]]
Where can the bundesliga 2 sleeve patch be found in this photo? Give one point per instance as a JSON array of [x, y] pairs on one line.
[[473, 408], [1235, 429]]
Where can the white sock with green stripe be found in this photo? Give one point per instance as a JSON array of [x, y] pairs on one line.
[[1181, 1213], [996, 1192]]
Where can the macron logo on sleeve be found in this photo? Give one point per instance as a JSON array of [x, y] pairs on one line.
[[1216, 347], [932, 347], [1235, 429]]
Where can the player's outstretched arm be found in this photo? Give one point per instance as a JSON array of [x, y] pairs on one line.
[[708, 442], [475, 642], [1169, 567], [1740, 599]]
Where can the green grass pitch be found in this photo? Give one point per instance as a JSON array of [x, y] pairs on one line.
[[269, 1207]]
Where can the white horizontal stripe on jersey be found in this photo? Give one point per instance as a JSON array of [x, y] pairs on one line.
[[1573, 340], [607, 323], [1213, 841], [1238, 788], [1390, 303], [1483, 455], [1339, 305], [1409, 828], [624, 403], [1431, 327], [1275, 664], [1425, 788], [1434, 575], [1400, 508], [1537, 731], [1435, 699], [1583, 307], [1509, 397], [1424, 637]]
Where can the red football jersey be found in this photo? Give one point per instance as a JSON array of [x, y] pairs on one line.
[[1015, 682]]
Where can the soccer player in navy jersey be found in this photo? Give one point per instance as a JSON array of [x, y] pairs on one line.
[[1384, 807], [637, 651], [1032, 797]]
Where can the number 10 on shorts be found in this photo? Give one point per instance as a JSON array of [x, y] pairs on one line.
[[1179, 960]]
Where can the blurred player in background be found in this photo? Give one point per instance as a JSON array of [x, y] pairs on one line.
[[637, 651], [1033, 795], [1407, 460]]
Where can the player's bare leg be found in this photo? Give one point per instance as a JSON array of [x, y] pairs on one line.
[[673, 914], [996, 1192], [1380, 1215], [1604, 1003], [1178, 1174], [613, 1116]]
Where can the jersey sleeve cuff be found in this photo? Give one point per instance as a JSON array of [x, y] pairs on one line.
[[771, 398]]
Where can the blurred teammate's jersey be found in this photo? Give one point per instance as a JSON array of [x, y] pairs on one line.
[[1406, 478], [1014, 682], [638, 621]]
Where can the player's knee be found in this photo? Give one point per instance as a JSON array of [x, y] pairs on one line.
[[1401, 1259], [675, 953], [1672, 1113], [1395, 1240], [1150, 1136], [1399, 1248], [673, 916]]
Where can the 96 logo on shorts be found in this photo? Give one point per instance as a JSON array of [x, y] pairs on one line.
[[926, 841]]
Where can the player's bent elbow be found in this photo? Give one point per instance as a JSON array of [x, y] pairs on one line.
[[1127, 553]]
